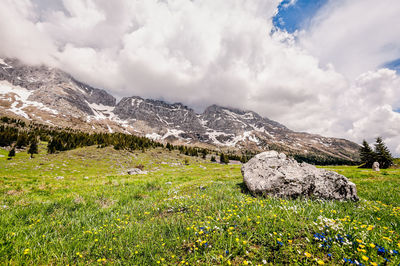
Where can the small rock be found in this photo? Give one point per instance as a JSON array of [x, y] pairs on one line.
[[59, 177], [136, 171], [375, 166], [203, 167], [86, 177], [168, 183]]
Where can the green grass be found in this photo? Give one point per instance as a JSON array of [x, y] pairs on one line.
[[182, 214]]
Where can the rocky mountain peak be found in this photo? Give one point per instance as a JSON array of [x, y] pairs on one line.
[[51, 96]]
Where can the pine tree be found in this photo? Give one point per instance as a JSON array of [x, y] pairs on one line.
[[22, 140], [11, 153], [223, 158], [33, 148], [367, 155], [383, 155]]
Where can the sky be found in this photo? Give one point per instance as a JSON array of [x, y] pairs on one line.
[[329, 67]]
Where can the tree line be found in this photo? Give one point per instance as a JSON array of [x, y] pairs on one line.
[[19, 135]]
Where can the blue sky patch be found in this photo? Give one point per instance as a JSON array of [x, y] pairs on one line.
[[395, 65], [297, 16]]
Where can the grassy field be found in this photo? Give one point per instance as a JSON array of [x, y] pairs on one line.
[[79, 207]]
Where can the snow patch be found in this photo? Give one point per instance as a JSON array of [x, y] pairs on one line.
[[101, 111], [109, 129], [21, 99], [153, 136]]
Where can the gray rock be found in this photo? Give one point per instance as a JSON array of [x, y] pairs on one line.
[[272, 173], [375, 166], [59, 177], [136, 171]]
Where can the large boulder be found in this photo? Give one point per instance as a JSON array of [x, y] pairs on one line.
[[272, 173]]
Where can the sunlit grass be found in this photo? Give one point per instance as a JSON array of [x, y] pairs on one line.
[[180, 214]]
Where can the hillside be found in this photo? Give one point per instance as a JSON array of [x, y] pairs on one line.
[[53, 97], [80, 207]]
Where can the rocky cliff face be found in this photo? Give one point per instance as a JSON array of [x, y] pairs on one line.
[[48, 95], [54, 88]]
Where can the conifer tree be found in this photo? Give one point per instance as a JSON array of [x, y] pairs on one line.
[[11, 153], [22, 140], [33, 148], [223, 158], [383, 155], [367, 155]]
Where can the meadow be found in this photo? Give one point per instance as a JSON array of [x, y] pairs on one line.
[[80, 207]]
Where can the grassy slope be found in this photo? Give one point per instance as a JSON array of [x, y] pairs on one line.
[[181, 214]]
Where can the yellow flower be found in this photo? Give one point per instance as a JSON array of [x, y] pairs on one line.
[[245, 262], [374, 264], [320, 262], [290, 241], [308, 255], [244, 242], [359, 241], [372, 245], [365, 258]]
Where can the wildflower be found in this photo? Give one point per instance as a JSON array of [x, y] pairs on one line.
[[308, 255], [365, 258], [290, 241], [320, 262], [245, 262], [372, 245], [26, 251]]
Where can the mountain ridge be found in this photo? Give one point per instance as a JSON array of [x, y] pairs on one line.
[[52, 96]]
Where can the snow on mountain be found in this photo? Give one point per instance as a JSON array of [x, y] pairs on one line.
[[52, 96]]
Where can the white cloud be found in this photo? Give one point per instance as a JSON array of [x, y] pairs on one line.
[[355, 35], [217, 51]]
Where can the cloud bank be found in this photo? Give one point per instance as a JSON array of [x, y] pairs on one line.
[[325, 79]]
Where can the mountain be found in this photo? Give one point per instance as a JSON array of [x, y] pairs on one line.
[[53, 97]]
